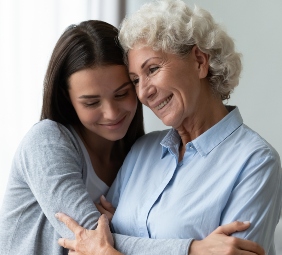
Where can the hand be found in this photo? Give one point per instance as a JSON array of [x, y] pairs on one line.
[[105, 207], [219, 242], [88, 242]]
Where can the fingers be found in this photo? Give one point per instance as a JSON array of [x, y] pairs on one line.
[[250, 246], [69, 222], [233, 227], [247, 246], [66, 243], [103, 222], [104, 233], [107, 205], [102, 210]]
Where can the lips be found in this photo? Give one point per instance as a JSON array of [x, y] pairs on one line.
[[113, 124], [164, 103]]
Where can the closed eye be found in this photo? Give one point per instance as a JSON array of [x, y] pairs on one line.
[[122, 94], [91, 104], [153, 69], [135, 81]]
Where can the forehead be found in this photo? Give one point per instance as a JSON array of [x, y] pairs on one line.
[[103, 74], [138, 54], [138, 57], [107, 78]]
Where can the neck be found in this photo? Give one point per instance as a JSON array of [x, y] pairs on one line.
[[96, 145], [208, 113], [106, 156]]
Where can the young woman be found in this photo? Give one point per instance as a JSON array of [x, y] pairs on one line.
[[90, 118]]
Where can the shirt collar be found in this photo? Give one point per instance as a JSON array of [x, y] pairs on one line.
[[207, 141], [170, 141]]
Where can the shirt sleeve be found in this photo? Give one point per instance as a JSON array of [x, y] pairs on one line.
[[51, 165], [256, 197]]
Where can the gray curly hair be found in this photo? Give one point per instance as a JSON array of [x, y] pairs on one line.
[[170, 26]]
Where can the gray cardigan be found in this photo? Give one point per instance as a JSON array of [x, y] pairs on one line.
[[47, 176]]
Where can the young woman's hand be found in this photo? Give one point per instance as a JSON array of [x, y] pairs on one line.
[[105, 207], [219, 242], [88, 242]]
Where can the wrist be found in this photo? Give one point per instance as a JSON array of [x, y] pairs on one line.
[[194, 248], [110, 250]]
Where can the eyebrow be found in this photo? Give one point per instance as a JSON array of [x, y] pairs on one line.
[[94, 96], [145, 62], [123, 85]]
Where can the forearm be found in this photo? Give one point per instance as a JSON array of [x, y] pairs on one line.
[[111, 251], [129, 245]]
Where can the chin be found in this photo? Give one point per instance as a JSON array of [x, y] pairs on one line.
[[116, 137], [168, 122]]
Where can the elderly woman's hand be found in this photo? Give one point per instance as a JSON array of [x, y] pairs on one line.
[[88, 242], [219, 242]]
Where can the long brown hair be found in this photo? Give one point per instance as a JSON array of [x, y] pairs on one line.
[[88, 44]]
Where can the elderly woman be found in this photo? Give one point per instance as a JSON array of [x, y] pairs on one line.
[[209, 169]]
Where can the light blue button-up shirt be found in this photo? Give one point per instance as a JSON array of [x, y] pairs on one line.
[[228, 173]]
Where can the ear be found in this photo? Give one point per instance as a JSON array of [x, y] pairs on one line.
[[202, 60]]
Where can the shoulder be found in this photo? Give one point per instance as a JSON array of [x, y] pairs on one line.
[[150, 140], [252, 141], [47, 134], [145, 146], [48, 131], [257, 154], [47, 128]]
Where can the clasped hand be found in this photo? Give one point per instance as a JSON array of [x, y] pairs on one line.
[[100, 241]]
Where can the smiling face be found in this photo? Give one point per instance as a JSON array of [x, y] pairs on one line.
[[170, 85], [104, 100]]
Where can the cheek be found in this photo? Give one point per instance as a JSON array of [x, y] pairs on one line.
[[131, 103], [86, 115]]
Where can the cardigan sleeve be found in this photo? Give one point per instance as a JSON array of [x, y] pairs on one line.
[[129, 245], [51, 163]]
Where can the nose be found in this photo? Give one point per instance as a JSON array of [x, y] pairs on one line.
[[110, 110], [145, 90]]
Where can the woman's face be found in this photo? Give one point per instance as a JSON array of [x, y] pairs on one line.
[[168, 84], [104, 100]]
